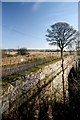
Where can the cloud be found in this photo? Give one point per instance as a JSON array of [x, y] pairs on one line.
[[36, 6]]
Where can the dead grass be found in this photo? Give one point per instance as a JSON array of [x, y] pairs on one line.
[[15, 60]]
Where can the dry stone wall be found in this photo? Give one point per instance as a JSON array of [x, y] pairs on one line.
[[45, 82]]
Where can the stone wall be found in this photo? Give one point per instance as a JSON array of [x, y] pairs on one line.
[[45, 82]]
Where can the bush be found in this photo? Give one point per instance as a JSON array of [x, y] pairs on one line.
[[22, 51]]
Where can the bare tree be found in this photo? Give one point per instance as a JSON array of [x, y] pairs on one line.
[[61, 34]]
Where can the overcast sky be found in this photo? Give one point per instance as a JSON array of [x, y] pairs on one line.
[[25, 24]]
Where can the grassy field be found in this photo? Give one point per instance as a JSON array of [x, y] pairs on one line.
[[33, 57]]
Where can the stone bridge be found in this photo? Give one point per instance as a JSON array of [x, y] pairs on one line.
[[45, 84]]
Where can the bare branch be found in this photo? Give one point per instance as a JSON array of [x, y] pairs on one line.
[[61, 34]]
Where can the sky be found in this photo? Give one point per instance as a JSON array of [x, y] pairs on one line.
[[40, 0], [25, 24]]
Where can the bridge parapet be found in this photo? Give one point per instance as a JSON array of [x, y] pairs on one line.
[[49, 77]]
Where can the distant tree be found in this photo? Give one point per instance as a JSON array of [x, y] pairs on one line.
[[22, 51], [61, 34]]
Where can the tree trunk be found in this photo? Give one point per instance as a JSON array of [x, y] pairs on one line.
[[62, 65]]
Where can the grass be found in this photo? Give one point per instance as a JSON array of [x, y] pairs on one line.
[[34, 69], [32, 60], [53, 61]]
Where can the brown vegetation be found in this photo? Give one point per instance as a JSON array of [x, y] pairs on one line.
[[15, 59]]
